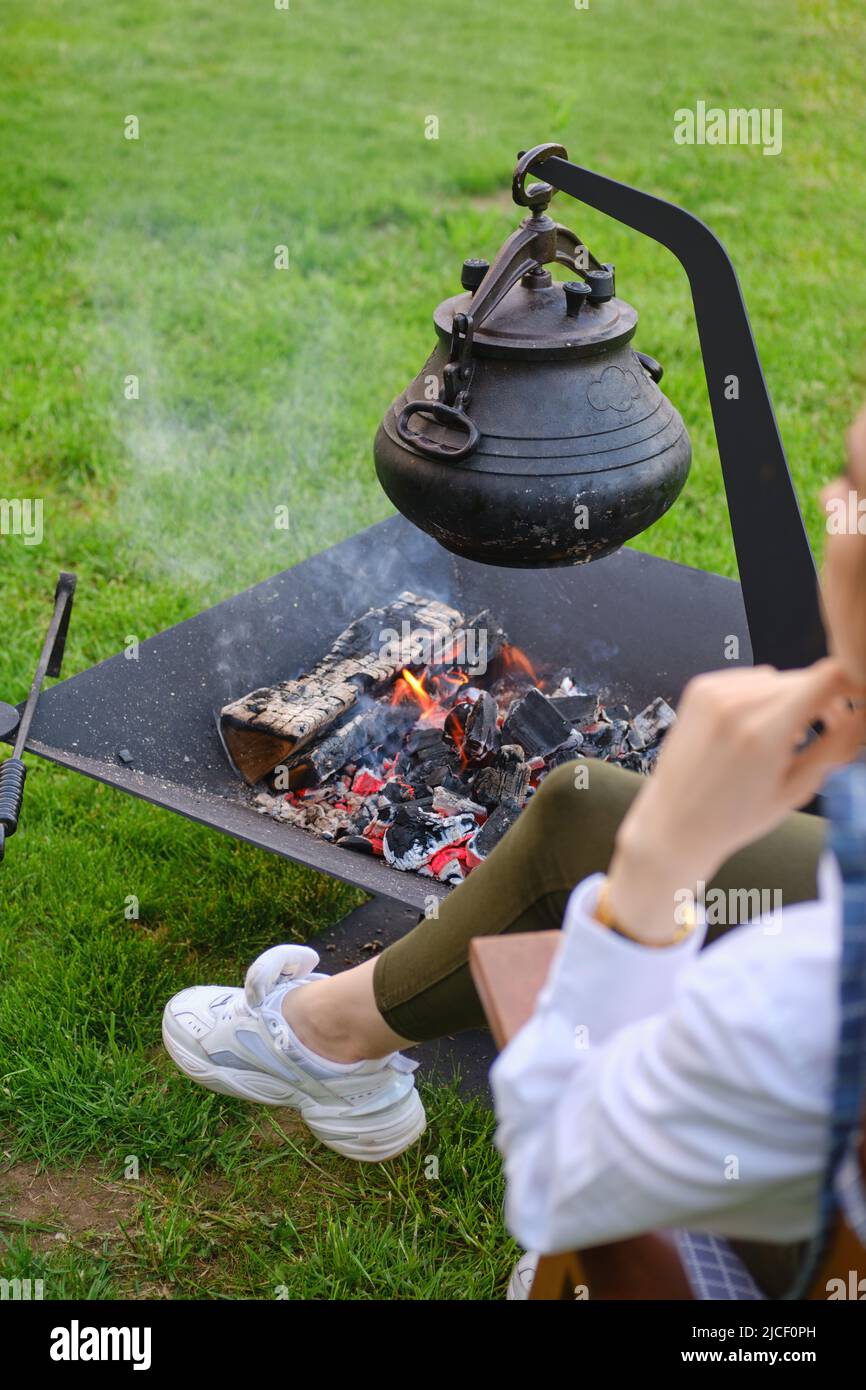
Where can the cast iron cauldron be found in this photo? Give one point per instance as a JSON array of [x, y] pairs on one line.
[[534, 434]]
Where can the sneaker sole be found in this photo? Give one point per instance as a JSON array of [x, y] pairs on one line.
[[396, 1130], [365, 1138]]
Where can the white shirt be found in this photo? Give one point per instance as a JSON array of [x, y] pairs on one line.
[[658, 1087]]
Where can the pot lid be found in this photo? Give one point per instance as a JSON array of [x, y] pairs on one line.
[[513, 307], [542, 318]]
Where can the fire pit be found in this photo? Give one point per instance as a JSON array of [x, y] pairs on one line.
[[150, 727], [632, 625]]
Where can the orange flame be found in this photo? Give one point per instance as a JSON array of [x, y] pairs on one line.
[[447, 682], [513, 656], [416, 686], [408, 686], [458, 736]]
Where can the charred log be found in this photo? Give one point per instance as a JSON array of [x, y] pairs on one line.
[[415, 835], [366, 731], [481, 733], [571, 749], [493, 829], [449, 803], [578, 709], [484, 642], [505, 779], [271, 723], [536, 725], [654, 721]]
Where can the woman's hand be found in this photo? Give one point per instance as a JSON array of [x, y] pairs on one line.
[[732, 767]]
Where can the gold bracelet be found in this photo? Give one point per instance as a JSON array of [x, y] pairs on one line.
[[604, 915]]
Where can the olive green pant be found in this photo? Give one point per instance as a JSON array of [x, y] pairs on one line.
[[422, 984]]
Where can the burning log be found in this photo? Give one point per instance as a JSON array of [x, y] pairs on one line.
[[369, 729], [268, 725], [430, 771]]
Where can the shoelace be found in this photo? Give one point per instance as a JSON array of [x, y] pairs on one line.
[[228, 1009]]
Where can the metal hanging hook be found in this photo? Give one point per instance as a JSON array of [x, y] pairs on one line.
[[538, 195]]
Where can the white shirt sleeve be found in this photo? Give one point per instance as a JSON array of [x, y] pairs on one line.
[[656, 1087]]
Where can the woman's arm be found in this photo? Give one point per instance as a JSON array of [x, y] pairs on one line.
[[708, 1111], [736, 762]]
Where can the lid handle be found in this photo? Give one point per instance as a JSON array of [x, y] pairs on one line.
[[537, 241]]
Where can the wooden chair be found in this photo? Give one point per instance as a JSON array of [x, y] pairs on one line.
[[509, 971]]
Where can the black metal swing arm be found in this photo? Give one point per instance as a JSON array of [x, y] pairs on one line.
[[776, 567]]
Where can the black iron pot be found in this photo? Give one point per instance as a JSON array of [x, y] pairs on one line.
[[534, 435]]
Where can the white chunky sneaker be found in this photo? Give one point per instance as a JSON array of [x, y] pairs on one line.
[[522, 1276], [237, 1042]]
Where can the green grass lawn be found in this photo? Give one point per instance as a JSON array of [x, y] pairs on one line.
[[155, 258]]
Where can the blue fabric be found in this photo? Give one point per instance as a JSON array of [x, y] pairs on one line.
[[713, 1269], [844, 798]]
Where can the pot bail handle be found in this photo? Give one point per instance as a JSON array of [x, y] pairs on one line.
[[536, 242], [450, 408], [444, 415]]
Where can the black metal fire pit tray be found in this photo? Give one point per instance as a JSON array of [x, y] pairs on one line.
[[631, 624]]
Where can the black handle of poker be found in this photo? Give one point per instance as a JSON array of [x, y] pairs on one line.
[[13, 772], [12, 775]]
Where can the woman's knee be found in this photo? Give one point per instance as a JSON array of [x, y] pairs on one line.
[[578, 809]]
